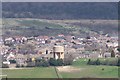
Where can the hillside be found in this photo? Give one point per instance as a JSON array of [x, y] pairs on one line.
[[35, 27], [61, 10]]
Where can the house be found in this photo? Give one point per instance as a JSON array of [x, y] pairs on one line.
[[107, 54], [45, 56], [21, 60], [10, 57], [6, 62], [117, 55], [95, 55]]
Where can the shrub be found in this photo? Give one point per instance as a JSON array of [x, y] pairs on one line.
[[31, 64], [53, 62], [97, 62], [12, 61], [112, 62], [38, 62], [112, 53], [89, 61], [22, 66], [41, 62], [118, 64], [59, 62], [109, 61], [44, 63], [17, 65], [118, 49], [103, 62], [68, 60]]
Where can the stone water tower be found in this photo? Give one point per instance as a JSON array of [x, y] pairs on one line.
[[58, 52]]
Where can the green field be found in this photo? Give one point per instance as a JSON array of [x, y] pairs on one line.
[[30, 73], [84, 71], [91, 71]]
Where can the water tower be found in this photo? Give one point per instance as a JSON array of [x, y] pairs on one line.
[[58, 52]]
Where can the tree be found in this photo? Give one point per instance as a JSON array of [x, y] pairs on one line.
[[37, 62], [118, 49], [97, 62], [88, 37], [68, 59], [112, 53], [26, 48], [12, 61], [59, 62], [31, 63], [41, 62], [17, 65], [93, 62], [44, 63], [89, 61], [111, 50], [53, 62], [118, 64]]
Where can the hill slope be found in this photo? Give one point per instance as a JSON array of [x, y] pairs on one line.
[[35, 27], [61, 10]]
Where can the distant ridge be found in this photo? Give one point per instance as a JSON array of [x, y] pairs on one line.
[[61, 10]]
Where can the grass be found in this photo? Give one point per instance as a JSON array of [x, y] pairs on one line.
[[91, 71], [30, 73], [86, 71]]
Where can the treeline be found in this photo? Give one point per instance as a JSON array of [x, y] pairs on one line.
[[46, 63], [41, 63], [110, 62], [61, 10]]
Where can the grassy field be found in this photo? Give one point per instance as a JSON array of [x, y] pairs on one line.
[[81, 70], [91, 71], [30, 73]]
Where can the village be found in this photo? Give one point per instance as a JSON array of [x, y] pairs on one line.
[[19, 49]]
